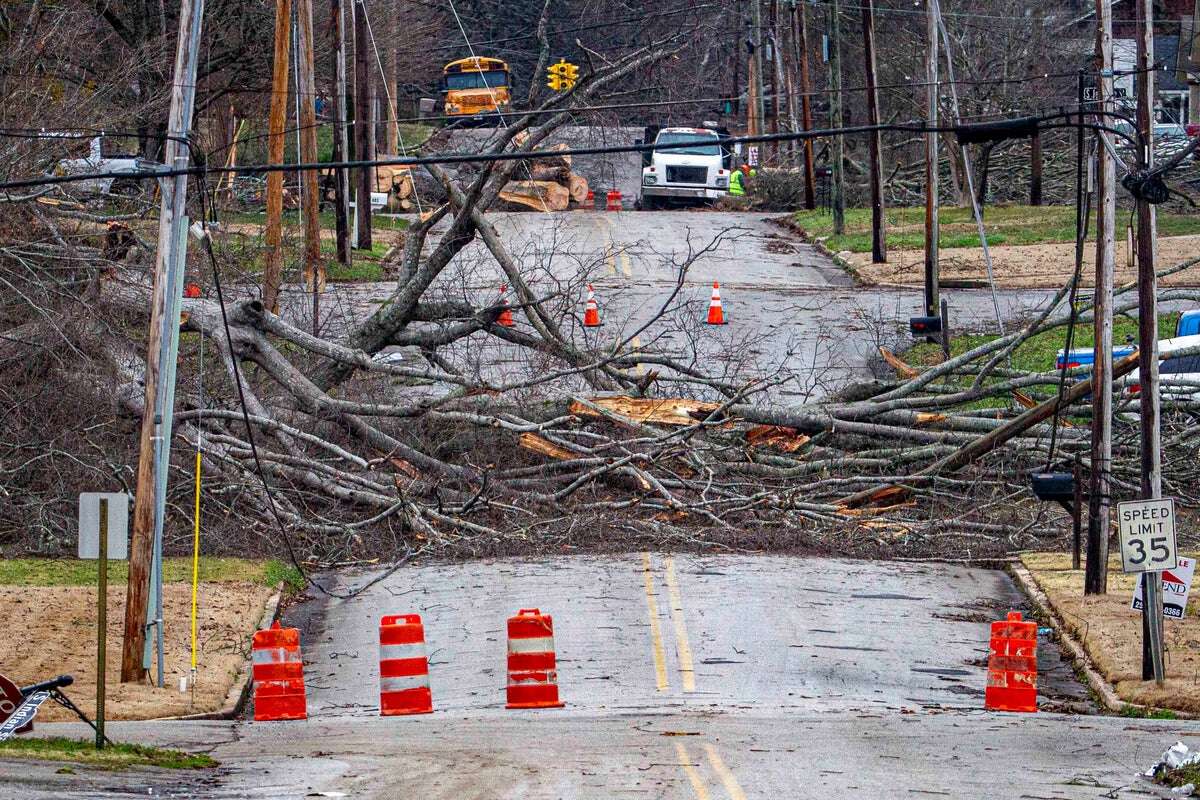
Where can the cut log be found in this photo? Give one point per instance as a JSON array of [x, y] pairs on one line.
[[531, 441], [560, 175], [536, 196], [664, 411], [577, 185], [789, 440]]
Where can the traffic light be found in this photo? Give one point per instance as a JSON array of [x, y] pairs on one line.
[[561, 76]]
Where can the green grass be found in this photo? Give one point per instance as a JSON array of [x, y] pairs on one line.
[[248, 254], [292, 218], [1036, 354], [76, 572], [1138, 712], [112, 757], [1013, 225]]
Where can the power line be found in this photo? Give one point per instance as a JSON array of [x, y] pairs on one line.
[[1044, 121]]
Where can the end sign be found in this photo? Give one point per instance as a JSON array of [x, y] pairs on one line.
[[1147, 532]]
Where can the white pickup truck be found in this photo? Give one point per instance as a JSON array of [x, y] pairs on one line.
[[693, 172]]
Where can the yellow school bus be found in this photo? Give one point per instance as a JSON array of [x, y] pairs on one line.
[[476, 89]]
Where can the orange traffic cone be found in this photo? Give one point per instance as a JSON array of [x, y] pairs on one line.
[[506, 318], [591, 312], [716, 315]]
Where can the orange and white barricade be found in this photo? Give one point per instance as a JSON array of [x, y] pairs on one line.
[[532, 671], [403, 667]]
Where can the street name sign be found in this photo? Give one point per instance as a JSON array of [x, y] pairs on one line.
[[1146, 529], [23, 715]]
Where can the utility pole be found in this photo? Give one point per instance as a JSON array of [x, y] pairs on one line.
[[800, 34], [787, 46], [838, 187], [932, 294], [1152, 599], [273, 262], [1096, 577], [145, 547], [776, 70], [341, 144], [874, 139], [1193, 65], [364, 128], [757, 67], [314, 268]]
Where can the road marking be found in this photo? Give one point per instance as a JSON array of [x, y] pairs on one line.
[[724, 773], [660, 655], [689, 769], [626, 267], [611, 257], [682, 649]]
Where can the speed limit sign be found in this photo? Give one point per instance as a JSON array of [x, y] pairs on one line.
[[1147, 532]]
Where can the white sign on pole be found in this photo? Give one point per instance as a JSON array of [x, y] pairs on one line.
[[1147, 532], [752, 158], [1175, 586], [118, 525]]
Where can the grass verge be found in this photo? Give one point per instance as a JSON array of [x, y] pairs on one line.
[[76, 572], [114, 757], [1011, 225]]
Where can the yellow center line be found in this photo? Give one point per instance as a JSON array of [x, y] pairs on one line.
[[724, 773], [682, 649], [611, 258], [692, 773], [626, 267], [660, 655]]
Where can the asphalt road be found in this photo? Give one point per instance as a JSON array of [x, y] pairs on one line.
[[686, 678], [790, 309]]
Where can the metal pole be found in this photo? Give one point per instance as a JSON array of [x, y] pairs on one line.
[[838, 187], [1096, 579], [931, 164], [801, 35], [1152, 600], [341, 145], [164, 330], [945, 312], [364, 129], [874, 139], [1035, 170], [1076, 515], [101, 623]]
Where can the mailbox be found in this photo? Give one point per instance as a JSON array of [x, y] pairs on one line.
[[924, 326], [1053, 485]]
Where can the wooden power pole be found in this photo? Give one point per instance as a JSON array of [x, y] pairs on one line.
[[314, 268], [800, 34], [364, 125], [341, 144], [162, 343], [837, 185], [1152, 598], [757, 66], [874, 139], [1096, 569], [273, 263], [932, 294]]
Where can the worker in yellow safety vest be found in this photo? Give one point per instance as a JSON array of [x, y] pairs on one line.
[[735, 184]]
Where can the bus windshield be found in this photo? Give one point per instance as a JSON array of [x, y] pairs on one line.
[[476, 80], [705, 144]]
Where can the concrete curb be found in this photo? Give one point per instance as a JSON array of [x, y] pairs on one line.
[[787, 223], [239, 692], [1083, 662]]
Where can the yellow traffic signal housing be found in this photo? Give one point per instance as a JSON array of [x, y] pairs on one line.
[[561, 76]]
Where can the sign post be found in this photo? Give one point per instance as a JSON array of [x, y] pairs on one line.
[[101, 622], [1147, 532], [103, 520]]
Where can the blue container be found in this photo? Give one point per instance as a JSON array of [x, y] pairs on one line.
[[1189, 323], [1082, 357]]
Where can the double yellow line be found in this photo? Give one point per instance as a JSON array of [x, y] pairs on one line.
[[728, 780], [683, 648]]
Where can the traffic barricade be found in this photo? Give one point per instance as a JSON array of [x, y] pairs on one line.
[[532, 668], [1012, 665], [278, 675], [403, 667]]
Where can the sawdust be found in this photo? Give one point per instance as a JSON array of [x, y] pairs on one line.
[[1040, 266], [1111, 632], [51, 630]]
